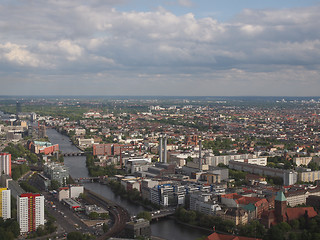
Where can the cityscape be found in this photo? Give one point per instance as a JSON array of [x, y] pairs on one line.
[[129, 167], [160, 120]]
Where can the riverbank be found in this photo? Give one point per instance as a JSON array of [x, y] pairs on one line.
[[163, 229]]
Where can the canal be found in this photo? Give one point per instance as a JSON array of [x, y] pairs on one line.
[[165, 228]]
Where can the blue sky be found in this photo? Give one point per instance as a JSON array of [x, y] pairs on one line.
[[180, 47], [220, 10]]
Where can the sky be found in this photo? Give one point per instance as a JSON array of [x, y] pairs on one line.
[[160, 47]]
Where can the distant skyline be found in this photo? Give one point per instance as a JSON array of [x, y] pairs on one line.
[[163, 48]]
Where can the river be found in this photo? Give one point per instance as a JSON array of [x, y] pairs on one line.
[[165, 228]]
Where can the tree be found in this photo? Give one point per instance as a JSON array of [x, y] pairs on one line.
[[105, 227], [295, 224], [93, 215], [54, 185], [144, 214], [75, 236]]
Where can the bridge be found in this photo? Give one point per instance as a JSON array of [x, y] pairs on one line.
[[162, 214], [70, 154], [89, 179]]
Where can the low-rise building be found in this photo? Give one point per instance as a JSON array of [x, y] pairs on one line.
[[203, 202]]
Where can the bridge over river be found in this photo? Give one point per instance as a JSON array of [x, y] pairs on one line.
[[70, 154], [162, 214]]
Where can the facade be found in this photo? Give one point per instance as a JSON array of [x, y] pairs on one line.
[[302, 160], [5, 203], [236, 215], [137, 228], [30, 211], [219, 236], [83, 142], [146, 185], [42, 147], [289, 177], [57, 171], [75, 191], [297, 197], [309, 176], [5, 164], [283, 214], [202, 202], [63, 193]]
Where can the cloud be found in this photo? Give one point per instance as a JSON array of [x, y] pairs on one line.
[[73, 39], [185, 3], [18, 54]]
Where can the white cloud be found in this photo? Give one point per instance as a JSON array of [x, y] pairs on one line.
[[76, 38], [18, 54]]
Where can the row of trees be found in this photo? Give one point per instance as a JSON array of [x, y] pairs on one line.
[[132, 195], [95, 171], [9, 229], [96, 216], [298, 229], [204, 220]]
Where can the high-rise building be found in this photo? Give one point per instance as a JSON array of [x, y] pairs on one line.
[[5, 203], [5, 164], [30, 211]]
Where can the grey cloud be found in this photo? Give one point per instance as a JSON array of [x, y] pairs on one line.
[[92, 41]]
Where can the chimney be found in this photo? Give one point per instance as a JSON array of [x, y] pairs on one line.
[[165, 149], [160, 148], [200, 157]]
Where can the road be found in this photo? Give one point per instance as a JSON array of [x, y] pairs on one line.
[[66, 218], [120, 215]]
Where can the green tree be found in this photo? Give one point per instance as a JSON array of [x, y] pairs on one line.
[[54, 185], [105, 227], [75, 236], [144, 214], [94, 215]]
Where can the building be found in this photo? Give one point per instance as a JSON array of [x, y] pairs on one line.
[[203, 203], [146, 185], [42, 147], [139, 227], [76, 190], [63, 193], [299, 196], [30, 211], [5, 164], [236, 215], [283, 214], [289, 177], [57, 171], [219, 236], [83, 142], [302, 161], [5, 203], [308, 176]]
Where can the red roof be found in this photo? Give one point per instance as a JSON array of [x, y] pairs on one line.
[[29, 195], [295, 213], [218, 236]]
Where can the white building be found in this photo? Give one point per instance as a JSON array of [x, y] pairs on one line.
[[30, 211], [75, 191], [5, 203], [63, 193], [5, 164], [202, 202]]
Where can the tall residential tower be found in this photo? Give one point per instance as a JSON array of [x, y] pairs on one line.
[[30, 211]]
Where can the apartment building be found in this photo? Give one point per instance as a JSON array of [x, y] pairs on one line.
[[5, 203], [30, 211], [5, 164]]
